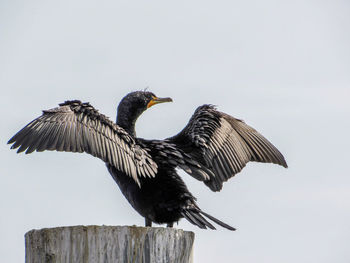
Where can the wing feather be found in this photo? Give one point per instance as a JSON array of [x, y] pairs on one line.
[[222, 145], [78, 127]]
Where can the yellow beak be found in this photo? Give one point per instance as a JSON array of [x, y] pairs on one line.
[[156, 100]]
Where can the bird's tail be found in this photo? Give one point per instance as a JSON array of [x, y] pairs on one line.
[[196, 217]]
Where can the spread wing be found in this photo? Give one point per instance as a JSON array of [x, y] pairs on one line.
[[223, 145], [78, 127]]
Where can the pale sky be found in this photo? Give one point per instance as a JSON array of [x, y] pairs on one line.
[[282, 66]]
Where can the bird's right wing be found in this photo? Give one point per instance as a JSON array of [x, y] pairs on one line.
[[78, 127], [222, 145]]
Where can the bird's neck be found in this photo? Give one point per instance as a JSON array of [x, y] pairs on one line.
[[127, 116], [127, 123]]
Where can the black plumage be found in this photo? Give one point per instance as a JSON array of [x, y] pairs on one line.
[[212, 148]]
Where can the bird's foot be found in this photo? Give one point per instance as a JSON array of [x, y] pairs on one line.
[[148, 222]]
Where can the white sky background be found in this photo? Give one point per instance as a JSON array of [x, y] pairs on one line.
[[282, 66]]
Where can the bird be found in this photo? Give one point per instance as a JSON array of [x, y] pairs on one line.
[[212, 148]]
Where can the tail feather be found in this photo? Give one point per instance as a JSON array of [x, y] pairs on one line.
[[190, 216], [195, 217], [199, 216], [218, 221]]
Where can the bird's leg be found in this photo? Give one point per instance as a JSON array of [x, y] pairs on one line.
[[170, 224], [148, 222]]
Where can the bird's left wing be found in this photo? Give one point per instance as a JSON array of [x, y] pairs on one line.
[[222, 145], [78, 127]]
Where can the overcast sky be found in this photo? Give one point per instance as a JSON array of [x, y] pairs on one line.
[[282, 66]]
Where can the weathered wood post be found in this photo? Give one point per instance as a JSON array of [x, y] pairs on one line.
[[109, 244]]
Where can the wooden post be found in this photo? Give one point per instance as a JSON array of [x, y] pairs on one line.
[[109, 244]]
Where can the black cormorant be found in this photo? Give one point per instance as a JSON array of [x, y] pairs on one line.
[[212, 148]]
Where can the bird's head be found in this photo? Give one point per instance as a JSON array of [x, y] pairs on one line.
[[142, 100], [133, 105]]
